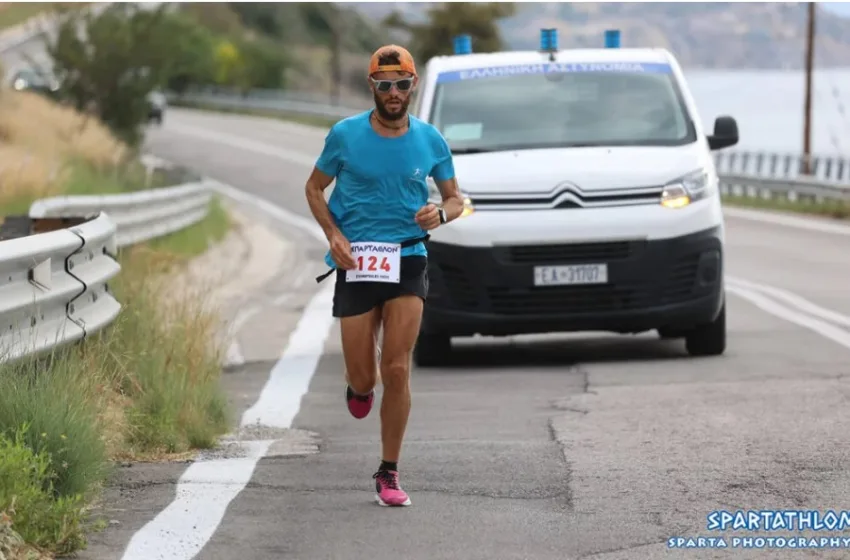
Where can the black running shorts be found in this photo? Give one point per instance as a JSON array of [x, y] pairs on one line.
[[356, 298]]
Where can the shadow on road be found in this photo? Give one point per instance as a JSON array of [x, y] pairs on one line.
[[562, 351]]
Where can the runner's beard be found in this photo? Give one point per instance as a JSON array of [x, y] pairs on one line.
[[386, 114]]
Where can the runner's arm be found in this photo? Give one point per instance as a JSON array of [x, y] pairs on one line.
[[444, 176], [452, 200], [327, 167], [315, 189]]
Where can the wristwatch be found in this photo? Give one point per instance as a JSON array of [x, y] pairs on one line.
[[443, 217]]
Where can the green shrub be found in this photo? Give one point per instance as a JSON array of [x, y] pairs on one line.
[[56, 398], [28, 497]]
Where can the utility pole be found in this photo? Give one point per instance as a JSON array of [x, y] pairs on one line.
[[807, 123]]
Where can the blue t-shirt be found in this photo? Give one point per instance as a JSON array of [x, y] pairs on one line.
[[381, 182]]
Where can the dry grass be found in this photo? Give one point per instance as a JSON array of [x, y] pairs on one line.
[[16, 13], [40, 140], [161, 398]]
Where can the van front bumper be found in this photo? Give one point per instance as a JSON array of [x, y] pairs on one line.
[[673, 284]]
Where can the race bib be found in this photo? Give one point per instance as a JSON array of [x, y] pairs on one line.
[[375, 262]]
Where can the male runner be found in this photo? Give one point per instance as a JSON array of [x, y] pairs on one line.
[[380, 160]]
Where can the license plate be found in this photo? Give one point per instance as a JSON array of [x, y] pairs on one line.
[[570, 275]]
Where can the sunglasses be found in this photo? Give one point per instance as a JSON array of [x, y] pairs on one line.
[[383, 86]]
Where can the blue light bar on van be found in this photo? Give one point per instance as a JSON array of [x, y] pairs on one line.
[[549, 40], [463, 44], [612, 38]]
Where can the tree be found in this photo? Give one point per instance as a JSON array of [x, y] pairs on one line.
[[229, 65], [265, 64], [446, 20], [192, 62], [108, 64]]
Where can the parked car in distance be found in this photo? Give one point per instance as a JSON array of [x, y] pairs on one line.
[[33, 80], [156, 107]]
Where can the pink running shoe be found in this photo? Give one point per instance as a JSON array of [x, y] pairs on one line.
[[389, 493], [359, 405]]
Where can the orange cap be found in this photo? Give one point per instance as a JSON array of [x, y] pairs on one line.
[[405, 59]]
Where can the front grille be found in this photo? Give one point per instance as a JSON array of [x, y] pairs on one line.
[[678, 286], [556, 300], [485, 283], [572, 252], [459, 288]]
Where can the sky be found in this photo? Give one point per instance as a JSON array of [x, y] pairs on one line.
[[840, 8]]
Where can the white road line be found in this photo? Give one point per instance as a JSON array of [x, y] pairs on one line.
[[828, 330], [206, 489], [203, 493], [793, 299], [290, 378]]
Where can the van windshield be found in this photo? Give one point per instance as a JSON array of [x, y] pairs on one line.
[[528, 110]]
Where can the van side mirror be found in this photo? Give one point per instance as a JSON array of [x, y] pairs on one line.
[[725, 133]]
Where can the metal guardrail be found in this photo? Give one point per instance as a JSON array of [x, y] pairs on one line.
[[54, 286], [282, 104], [138, 216], [833, 169], [799, 189]]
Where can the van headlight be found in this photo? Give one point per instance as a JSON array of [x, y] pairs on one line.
[[683, 191], [434, 197], [467, 206]]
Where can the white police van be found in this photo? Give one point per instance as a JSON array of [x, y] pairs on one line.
[[592, 197]]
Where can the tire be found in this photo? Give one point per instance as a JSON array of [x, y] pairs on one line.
[[710, 339], [432, 350]]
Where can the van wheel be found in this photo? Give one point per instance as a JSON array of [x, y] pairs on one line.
[[432, 350], [710, 339]]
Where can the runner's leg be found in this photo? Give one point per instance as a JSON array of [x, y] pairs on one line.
[[357, 307], [401, 318], [359, 342]]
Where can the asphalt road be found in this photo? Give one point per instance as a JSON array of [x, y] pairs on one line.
[[556, 447]]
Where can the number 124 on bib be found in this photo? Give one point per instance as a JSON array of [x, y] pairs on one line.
[[370, 264], [376, 262]]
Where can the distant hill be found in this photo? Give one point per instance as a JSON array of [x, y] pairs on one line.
[[701, 35]]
